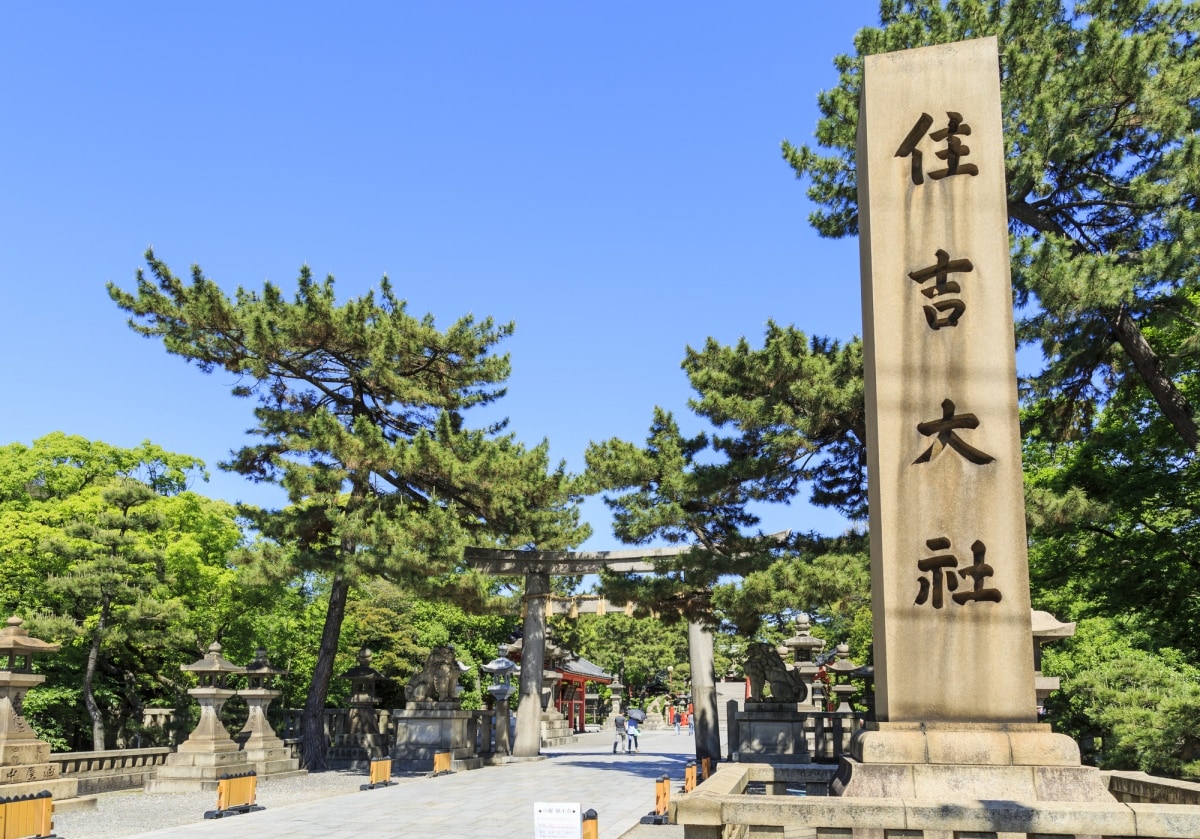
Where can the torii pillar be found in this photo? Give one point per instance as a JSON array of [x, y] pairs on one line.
[[538, 567]]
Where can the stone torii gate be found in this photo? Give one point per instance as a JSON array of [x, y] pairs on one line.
[[537, 568]]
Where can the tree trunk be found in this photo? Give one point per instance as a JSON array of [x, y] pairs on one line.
[[1174, 407], [312, 722], [89, 678]]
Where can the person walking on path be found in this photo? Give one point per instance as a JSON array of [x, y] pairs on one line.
[[691, 723], [619, 740], [632, 727], [676, 719]]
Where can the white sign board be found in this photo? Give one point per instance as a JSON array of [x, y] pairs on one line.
[[557, 821]]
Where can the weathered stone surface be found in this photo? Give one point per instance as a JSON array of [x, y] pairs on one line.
[[973, 748], [1022, 817], [960, 783], [1070, 783], [1169, 821], [1140, 788], [943, 439], [889, 747], [874, 780], [1043, 749]]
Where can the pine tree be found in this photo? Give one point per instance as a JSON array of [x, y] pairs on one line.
[[785, 416], [360, 419], [1103, 169]]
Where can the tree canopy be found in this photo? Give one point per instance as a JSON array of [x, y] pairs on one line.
[[1103, 167], [784, 417], [360, 418]]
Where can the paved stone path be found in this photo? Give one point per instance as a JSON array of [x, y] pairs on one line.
[[490, 803]]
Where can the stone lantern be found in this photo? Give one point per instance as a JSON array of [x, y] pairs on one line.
[[843, 667], [213, 671], [24, 759], [362, 741], [805, 649], [501, 670], [209, 751], [258, 740]]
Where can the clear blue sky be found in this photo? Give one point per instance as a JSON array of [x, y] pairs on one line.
[[607, 176]]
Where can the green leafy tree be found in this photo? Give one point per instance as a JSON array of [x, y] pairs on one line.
[[1102, 162], [401, 629], [360, 418], [635, 650], [1113, 524], [106, 550], [109, 585], [1142, 705]]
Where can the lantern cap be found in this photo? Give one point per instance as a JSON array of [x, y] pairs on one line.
[[17, 641], [214, 662]]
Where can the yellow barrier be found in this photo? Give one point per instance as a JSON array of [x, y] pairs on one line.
[[27, 816], [235, 795], [441, 763], [591, 825], [662, 795], [381, 774], [689, 777], [705, 768]]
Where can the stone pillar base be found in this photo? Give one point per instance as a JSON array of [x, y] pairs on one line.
[[60, 788], [196, 771], [948, 761], [426, 728], [768, 732], [274, 764]]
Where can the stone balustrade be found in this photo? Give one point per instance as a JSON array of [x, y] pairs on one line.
[[719, 808], [111, 770], [1140, 788]]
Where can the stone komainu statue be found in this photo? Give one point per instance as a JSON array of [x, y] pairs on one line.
[[764, 666], [438, 680]]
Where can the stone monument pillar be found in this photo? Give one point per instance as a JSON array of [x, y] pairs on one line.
[[950, 584], [25, 767], [209, 751], [264, 750]]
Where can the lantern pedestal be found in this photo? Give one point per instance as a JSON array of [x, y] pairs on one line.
[[265, 752]]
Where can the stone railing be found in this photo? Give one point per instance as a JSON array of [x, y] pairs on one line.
[[111, 770], [1140, 788], [720, 808], [336, 722]]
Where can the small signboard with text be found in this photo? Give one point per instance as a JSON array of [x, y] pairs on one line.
[[557, 821]]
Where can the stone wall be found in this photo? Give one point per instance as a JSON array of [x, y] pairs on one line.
[[719, 808]]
